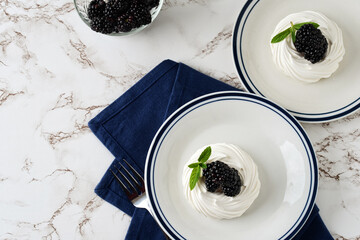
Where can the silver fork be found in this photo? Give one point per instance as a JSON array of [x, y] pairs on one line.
[[136, 194], [135, 189]]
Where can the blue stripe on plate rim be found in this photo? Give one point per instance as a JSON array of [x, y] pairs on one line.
[[221, 96], [250, 86]]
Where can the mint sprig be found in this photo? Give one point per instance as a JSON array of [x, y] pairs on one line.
[[195, 173], [282, 35]]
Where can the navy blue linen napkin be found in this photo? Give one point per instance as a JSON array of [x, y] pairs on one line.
[[128, 125]]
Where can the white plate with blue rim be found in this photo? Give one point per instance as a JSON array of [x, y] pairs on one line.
[[276, 141], [329, 99]]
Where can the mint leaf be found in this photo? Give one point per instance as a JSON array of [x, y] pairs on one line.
[[204, 156], [280, 36], [195, 173], [203, 165], [194, 177], [193, 165], [298, 25], [292, 29]]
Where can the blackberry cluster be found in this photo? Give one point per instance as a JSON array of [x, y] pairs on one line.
[[119, 15], [311, 42], [220, 177]]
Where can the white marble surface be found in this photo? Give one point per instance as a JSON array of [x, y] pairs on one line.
[[56, 74]]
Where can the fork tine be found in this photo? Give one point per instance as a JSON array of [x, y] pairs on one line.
[[141, 185], [129, 174], [121, 183], [137, 174], [127, 181]]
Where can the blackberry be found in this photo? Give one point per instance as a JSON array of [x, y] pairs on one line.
[[96, 9], [109, 25], [125, 23], [232, 184], [211, 185], [140, 13], [214, 175], [150, 3], [220, 177], [103, 25], [115, 8], [311, 42], [97, 24]]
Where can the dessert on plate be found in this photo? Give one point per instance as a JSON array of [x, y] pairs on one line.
[[307, 46], [221, 181]]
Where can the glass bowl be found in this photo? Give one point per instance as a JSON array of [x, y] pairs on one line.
[[81, 7]]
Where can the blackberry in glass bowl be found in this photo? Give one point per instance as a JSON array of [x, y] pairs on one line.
[[118, 17]]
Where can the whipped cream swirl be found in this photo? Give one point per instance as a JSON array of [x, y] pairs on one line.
[[293, 64], [217, 205]]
